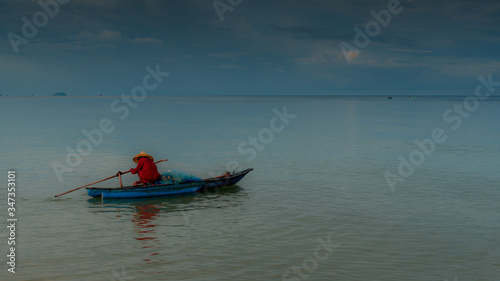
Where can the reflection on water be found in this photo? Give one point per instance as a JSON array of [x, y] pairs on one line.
[[158, 226], [144, 227]]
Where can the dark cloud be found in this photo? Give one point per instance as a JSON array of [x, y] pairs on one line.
[[97, 46]]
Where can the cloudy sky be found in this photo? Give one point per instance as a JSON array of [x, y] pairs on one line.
[[92, 47]]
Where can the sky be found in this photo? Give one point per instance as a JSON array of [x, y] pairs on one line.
[[243, 47]]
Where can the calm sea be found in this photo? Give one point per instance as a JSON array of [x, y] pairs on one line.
[[318, 205]]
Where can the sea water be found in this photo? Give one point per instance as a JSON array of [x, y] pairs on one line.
[[319, 204]]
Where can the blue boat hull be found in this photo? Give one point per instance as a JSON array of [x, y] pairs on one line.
[[166, 189]]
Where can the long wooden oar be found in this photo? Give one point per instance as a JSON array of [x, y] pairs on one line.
[[103, 180]]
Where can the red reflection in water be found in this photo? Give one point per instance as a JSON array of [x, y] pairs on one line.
[[144, 221]]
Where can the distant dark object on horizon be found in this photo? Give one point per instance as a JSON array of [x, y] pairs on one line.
[[59, 94], [389, 98]]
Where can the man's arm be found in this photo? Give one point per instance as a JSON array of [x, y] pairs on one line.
[[138, 168]]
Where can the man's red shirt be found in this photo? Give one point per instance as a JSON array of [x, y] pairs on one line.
[[148, 172]]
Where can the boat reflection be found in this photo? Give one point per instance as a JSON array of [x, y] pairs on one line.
[[152, 217], [144, 223]]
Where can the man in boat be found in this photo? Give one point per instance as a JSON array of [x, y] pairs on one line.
[[146, 167]]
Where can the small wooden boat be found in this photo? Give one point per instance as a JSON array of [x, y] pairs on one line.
[[168, 189]]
